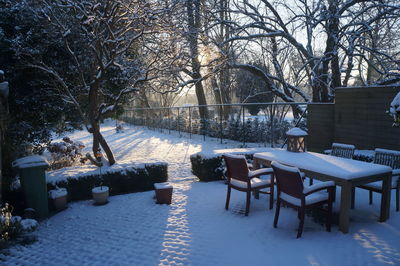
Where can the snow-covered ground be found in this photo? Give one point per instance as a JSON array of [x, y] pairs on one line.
[[196, 229]]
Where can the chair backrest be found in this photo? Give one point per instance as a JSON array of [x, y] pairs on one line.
[[343, 150], [387, 157], [288, 180], [236, 166]]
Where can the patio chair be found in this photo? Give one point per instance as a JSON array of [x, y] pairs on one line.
[[242, 179], [390, 158], [292, 191], [343, 150]]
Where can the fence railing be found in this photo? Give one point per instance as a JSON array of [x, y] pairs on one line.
[[264, 123]]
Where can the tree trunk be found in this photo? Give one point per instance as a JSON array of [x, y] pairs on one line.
[[193, 11], [98, 139]]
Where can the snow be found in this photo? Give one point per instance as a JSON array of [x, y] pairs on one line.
[[57, 193], [30, 161], [196, 229], [162, 185], [29, 224], [387, 151], [345, 146], [100, 189], [395, 105], [296, 132], [81, 171], [330, 165]]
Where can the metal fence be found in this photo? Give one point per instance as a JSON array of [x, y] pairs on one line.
[[264, 123]]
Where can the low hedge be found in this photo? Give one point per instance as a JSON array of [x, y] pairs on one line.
[[211, 167], [120, 179]]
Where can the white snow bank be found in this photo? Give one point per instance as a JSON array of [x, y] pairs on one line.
[[77, 172]]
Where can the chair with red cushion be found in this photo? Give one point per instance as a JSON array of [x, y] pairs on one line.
[[241, 178], [292, 191]]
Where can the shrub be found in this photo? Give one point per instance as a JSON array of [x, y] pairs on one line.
[[120, 178], [211, 167], [207, 169], [64, 154], [13, 228]]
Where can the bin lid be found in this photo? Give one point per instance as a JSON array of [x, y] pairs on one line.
[[30, 161]]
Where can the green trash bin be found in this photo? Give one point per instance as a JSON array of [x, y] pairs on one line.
[[33, 181]]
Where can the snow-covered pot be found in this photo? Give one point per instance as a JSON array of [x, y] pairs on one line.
[[100, 195], [296, 140], [59, 197]]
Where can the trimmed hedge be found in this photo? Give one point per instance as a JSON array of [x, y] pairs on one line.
[[211, 167], [207, 169], [122, 181]]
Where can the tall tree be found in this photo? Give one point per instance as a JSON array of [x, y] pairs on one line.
[[103, 42]]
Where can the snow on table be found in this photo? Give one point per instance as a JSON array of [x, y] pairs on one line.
[[322, 163]]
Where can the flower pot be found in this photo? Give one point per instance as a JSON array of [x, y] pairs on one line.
[[100, 195], [59, 197]]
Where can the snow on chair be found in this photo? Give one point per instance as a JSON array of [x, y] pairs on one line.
[[242, 179], [343, 150], [292, 191], [390, 158]]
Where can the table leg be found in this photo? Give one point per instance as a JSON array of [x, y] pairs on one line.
[[345, 203], [385, 201]]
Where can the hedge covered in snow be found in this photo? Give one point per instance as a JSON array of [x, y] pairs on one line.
[[211, 167], [120, 178]]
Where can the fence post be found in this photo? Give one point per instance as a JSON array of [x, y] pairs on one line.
[[169, 122], [178, 122], [244, 127], [190, 123], [220, 122]]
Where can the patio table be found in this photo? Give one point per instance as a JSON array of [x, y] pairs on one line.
[[346, 173]]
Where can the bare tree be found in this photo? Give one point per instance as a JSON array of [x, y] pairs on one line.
[[326, 35], [103, 41]]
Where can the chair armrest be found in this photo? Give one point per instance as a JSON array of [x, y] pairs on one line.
[[262, 171], [395, 172], [317, 187]]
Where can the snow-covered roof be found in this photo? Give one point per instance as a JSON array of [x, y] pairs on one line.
[[296, 132]]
